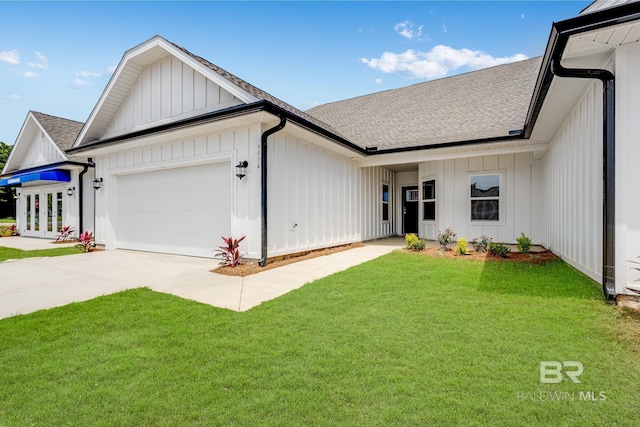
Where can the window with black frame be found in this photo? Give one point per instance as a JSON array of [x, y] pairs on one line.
[[385, 202], [429, 200], [485, 197]]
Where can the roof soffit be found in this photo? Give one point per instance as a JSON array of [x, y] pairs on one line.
[[585, 50], [127, 74]]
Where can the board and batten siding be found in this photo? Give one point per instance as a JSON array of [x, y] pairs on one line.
[[228, 146], [520, 205], [573, 187], [627, 65], [165, 91], [318, 198], [41, 152]]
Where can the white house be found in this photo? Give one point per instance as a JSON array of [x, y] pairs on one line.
[[185, 152], [54, 189]]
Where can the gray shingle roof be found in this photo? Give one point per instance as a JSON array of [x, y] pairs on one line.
[[63, 131], [477, 105]]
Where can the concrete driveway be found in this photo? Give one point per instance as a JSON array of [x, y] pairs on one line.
[[34, 284]]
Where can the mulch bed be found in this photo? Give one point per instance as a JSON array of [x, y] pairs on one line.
[[252, 267], [249, 268], [539, 257]]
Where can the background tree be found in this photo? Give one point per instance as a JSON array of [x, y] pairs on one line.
[[7, 202]]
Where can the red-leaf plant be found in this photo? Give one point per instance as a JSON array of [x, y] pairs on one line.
[[13, 231], [65, 233], [230, 253], [86, 241]]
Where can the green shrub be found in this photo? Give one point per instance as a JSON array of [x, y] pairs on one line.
[[414, 242], [461, 246], [480, 244], [523, 243], [499, 249], [410, 238], [447, 237]]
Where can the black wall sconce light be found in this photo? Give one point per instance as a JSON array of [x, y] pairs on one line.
[[241, 169], [97, 183], [71, 191]]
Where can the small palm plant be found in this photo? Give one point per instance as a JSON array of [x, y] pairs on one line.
[[230, 252], [65, 233], [86, 241]]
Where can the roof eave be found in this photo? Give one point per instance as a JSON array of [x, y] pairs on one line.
[[560, 33], [231, 112], [452, 144]]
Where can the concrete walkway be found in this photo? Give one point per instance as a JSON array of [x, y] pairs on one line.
[[32, 243], [33, 284]]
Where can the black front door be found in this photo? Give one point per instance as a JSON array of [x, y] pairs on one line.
[[410, 210]]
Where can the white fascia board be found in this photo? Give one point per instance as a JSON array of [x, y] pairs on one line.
[[427, 155], [17, 141]]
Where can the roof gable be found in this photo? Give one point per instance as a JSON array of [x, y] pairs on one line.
[[157, 83], [41, 141], [167, 90]]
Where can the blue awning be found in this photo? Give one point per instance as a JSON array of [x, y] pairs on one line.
[[58, 175]]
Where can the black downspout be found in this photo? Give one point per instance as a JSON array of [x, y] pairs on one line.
[[608, 161], [81, 197], [263, 167]]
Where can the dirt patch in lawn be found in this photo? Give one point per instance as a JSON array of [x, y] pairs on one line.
[[252, 267], [538, 257]]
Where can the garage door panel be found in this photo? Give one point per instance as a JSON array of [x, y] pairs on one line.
[[211, 198], [178, 178], [181, 210], [170, 220]]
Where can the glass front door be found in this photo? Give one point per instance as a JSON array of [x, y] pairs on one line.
[[44, 212], [53, 210]]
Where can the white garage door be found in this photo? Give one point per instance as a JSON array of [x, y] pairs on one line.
[[178, 211]]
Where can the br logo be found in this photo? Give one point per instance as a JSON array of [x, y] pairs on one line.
[[551, 371]]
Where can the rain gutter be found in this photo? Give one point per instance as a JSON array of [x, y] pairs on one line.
[[263, 184], [560, 34]]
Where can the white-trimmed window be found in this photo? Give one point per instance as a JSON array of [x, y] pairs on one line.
[[429, 200], [485, 197], [385, 202]]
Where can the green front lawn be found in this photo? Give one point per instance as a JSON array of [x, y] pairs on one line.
[[402, 340], [11, 253], [7, 220]]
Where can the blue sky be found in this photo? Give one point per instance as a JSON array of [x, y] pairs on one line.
[[57, 57]]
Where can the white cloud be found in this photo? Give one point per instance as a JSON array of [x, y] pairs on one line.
[[87, 74], [522, 16], [79, 83], [43, 64], [30, 74], [108, 71], [444, 29], [437, 62], [13, 96], [10, 56], [378, 81], [408, 30]]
